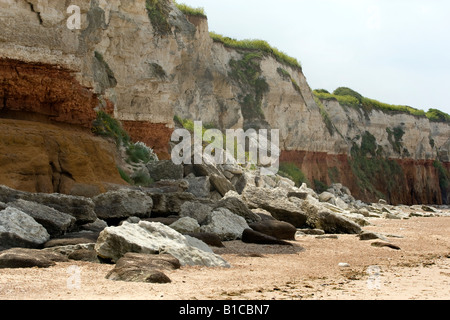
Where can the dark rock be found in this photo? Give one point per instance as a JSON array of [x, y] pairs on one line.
[[210, 239], [166, 221], [277, 229], [381, 244], [84, 255], [252, 236], [218, 180], [29, 258], [165, 204], [334, 224], [133, 267], [367, 235], [165, 170]]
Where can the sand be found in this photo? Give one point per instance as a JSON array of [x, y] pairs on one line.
[[307, 271]]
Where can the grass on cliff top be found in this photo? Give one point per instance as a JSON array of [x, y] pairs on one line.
[[187, 10], [350, 98], [256, 45]]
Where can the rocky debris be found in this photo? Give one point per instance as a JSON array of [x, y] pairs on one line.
[[225, 224], [252, 236], [165, 204], [312, 232], [29, 258], [274, 228], [367, 235], [123, 204], [135, 267], [17, 229], [217, 178], [55, 222], [153, 238], [165, 170]]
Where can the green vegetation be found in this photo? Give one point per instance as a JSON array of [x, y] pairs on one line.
[[372, 169], [291, 171], [395, 138], [260, 46], [333, 174], [287, 76], [247, 72], [108, 127], [320, 187], [158, 14], [190, 10], [444, 177], [325, 116], [350, 98], [438, 116], [137, 153]]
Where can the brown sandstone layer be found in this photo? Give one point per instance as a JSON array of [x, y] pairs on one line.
[[39, 157]]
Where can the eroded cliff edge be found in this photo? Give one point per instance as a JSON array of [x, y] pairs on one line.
[[145, 71]]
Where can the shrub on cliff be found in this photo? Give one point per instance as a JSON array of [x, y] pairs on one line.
[[107, 126], [187, 10], [291, 171]]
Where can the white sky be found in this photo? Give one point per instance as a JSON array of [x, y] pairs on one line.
[[394, 51]]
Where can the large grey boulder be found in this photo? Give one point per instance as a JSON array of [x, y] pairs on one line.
[[122, 204], [276, 202], [196, 210], [81, 208], [56, 222], [165, 170], [227, 225], [233, 203], [17, 229], [166, 204], [186, 225], [200, 187], [153, 238]]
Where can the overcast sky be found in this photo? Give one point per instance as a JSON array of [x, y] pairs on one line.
[[395, 51]]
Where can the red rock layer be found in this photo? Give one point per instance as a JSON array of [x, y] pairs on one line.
[[419, 183], [48, 92], [155, 135]]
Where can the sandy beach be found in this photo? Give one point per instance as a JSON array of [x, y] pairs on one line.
[[312, 269]]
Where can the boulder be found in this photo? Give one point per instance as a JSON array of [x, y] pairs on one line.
[[327, 197], [252, 236], [367, 235], [165, 170], [81, 208], [382, 244], [238, 207], [29, 258], [17, 229], [277, 203], [170, 203], [210, 239], [122, 204], [225, 224], [196, 210], [277, 229], [335, 224], [217, 178], [135, 267], [200, 187], [186, 225], [153, 238], [55, 222]]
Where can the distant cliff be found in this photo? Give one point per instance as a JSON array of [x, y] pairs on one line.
[[145, 62]]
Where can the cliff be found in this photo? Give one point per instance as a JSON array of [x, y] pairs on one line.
[[145, 61]]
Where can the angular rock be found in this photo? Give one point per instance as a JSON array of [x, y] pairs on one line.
[[170, 203], [122, 204], [54, 221], [153, 238], [238, 207], [186, 225], [334, 224], [367, 235], [277, 229], [17, 229], [217, 178], [276, 202], [381, 244], [225, 224], [196, 210], [81, 208], [200, 187], [29, 258], [326, 197], [165, 170], [252, 236], [145, 268]]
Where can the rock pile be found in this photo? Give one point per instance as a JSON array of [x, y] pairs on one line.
[[179, 220]]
